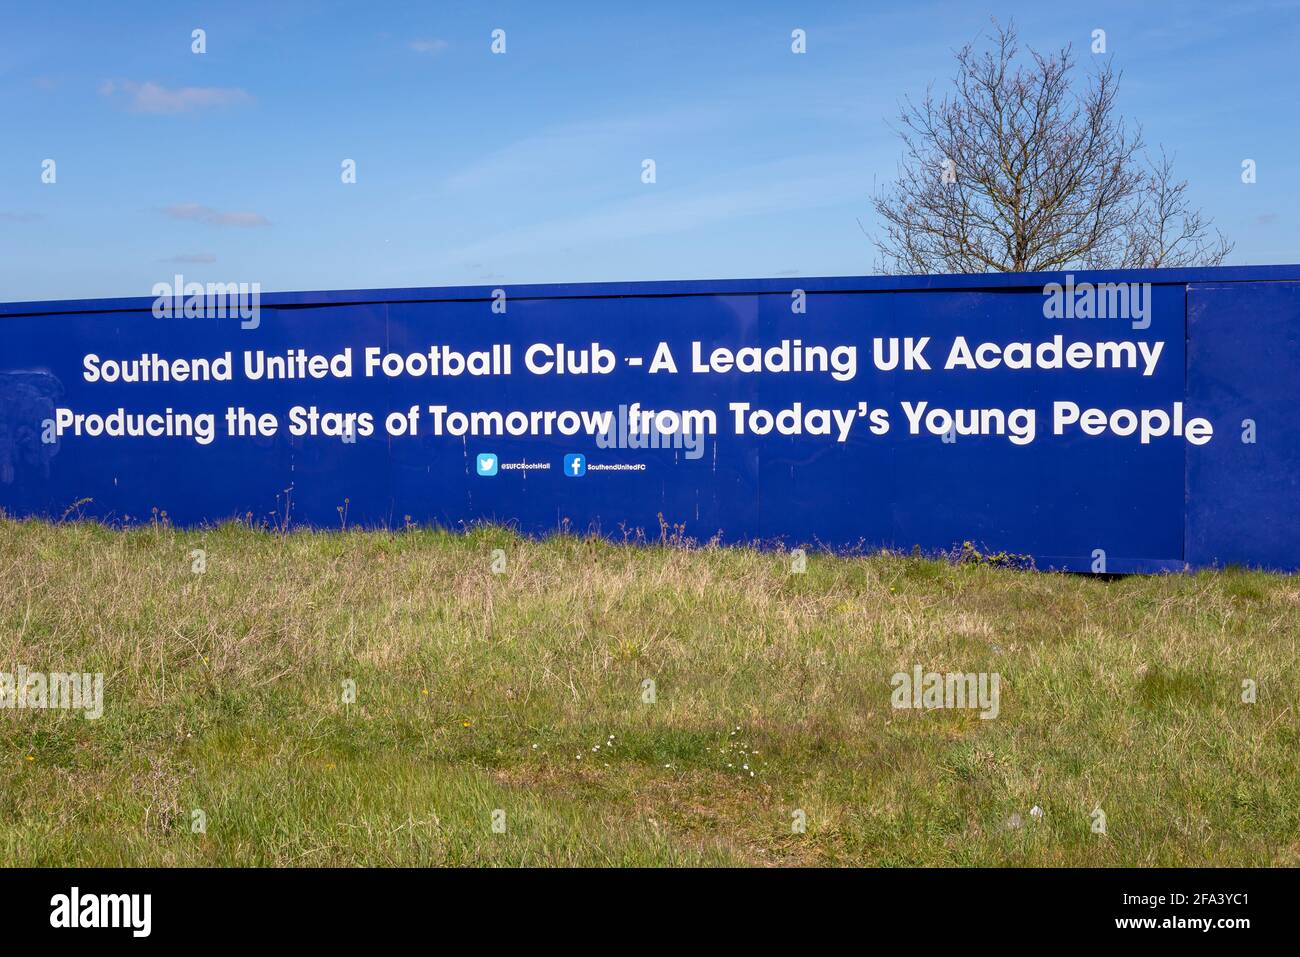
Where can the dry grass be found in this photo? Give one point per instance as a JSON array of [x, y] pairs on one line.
[[479, 692]]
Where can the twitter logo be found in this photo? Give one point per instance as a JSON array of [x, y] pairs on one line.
[[487, 463]]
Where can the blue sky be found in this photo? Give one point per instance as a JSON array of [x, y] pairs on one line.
[[475, 168]]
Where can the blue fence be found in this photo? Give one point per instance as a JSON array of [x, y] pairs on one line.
[[1116, 421]]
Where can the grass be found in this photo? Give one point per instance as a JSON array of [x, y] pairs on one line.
[[523, 692]]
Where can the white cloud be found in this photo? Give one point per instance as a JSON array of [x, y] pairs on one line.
[[792, 185], [153, 98], [214, 217], [191, 258], [582, 149], [428, 47]]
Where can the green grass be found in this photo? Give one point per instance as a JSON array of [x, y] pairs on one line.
[[523, 692]]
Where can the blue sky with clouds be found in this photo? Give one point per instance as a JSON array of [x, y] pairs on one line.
[[477, 168]]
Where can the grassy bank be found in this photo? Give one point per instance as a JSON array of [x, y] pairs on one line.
[[524, 692]]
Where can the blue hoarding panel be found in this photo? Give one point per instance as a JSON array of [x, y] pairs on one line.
[[1243, 490], [852, 452]]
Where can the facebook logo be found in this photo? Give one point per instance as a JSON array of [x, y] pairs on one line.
[[575, 465], [487, 463]]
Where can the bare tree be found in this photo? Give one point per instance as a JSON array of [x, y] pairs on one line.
[[1017, 170], [1167, 231]]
